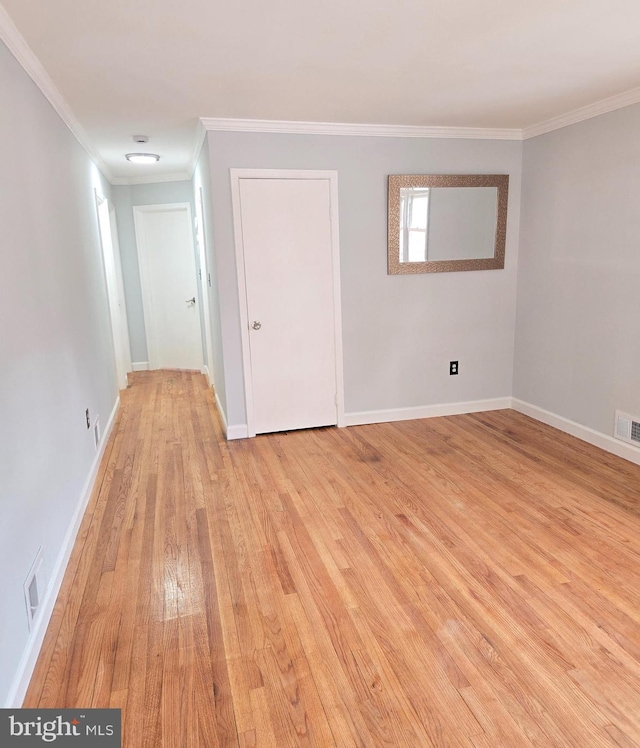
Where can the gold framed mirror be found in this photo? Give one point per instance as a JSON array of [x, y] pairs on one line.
[[440, 223]]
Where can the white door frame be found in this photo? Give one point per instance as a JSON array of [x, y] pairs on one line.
[[332, 178], [144, 265], [205, 275], [124, 317], [115, 288]]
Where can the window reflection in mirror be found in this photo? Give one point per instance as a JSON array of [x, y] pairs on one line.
[[440, 223], [414, 223]]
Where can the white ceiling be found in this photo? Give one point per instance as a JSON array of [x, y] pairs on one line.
[[156, 66]]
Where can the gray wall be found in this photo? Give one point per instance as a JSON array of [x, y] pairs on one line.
[[56, 350], [578, 333], [399, 332], [202, 180], [125, 197]]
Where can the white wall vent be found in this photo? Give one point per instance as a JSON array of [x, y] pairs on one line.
[[96, 433], [627, 428], [34, 588]]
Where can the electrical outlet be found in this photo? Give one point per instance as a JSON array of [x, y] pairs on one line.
[[453, 367], [86, 415]]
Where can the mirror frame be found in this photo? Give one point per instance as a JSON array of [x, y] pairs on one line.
[[398, 181]]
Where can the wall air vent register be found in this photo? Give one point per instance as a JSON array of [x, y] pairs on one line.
[[627, 428], [34, 588]]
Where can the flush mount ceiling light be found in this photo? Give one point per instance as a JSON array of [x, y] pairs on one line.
[[142, 158]]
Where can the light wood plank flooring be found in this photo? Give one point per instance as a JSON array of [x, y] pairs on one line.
[[466, 581]]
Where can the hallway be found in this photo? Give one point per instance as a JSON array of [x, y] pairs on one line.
[[465, 581]]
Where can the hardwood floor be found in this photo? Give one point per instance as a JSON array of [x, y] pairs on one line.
[[466, 581]]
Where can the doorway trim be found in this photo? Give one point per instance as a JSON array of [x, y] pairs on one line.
[[150, 322], [332, 177], [205, 283], [108, 234]]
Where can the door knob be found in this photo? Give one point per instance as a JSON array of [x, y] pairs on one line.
[[191, 301], [256, 325]]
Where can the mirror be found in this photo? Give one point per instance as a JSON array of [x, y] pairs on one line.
[[442, 223]]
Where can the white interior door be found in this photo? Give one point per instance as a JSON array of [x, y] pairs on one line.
[[286, 235], [164, 236]]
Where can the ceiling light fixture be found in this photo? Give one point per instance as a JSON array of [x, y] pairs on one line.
[[142, 158]]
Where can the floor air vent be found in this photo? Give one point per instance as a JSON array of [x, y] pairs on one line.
[[627, 428]]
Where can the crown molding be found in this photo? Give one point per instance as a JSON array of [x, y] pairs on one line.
[[19, 48], [197, 147], [180, 176], [583, 113], [362, 130]]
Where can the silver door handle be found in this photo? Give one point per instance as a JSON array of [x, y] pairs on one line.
[[191, 301], [256, 325]]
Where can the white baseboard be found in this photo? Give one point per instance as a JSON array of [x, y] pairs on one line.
[[25, 670], [140, 366], [232, 432], [223, 417], [205, 371], [240, 431], [597, 438], [425, 411]]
